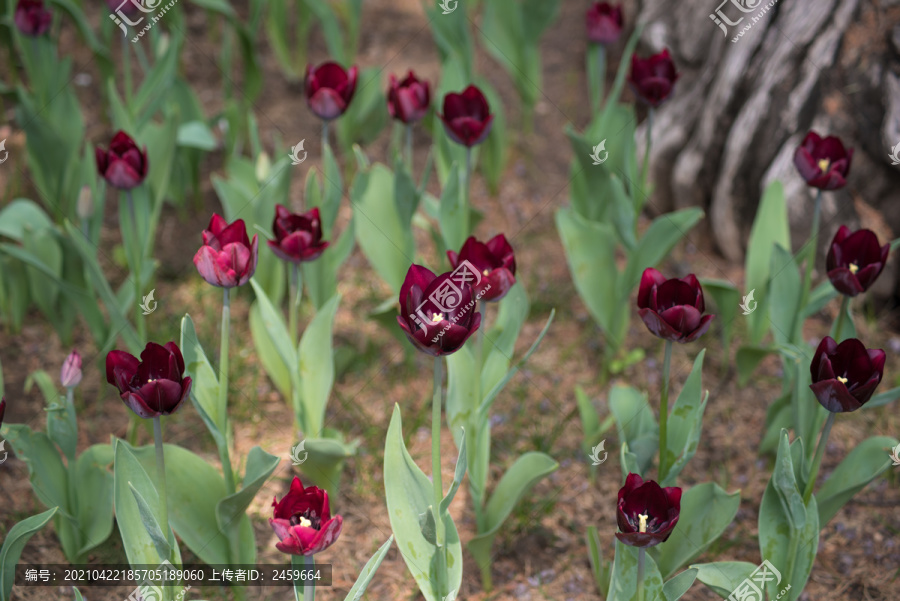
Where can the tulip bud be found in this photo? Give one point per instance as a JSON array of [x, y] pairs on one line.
[[32, 18], [70, 374], [298, 237], [329, 89], [84, 208], [467, 117], [263, 167], [653, 78]]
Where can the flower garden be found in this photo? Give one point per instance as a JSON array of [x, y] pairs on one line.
[[341, 292]]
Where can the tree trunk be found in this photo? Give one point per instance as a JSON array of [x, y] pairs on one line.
[[745, 101]]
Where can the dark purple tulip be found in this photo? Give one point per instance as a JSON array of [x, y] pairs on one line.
[[329, 89], [227, 257], [855, 260], [127, 7], [653, 78], [467, 117], [302, 520], [823, 162], [298, 236], [604, 23], [70, 374], [124, 165], [408, 99], [845, 375], [496, 262], [438, 312], [32, 18], [155, 385], [646, 513], [672, 309]]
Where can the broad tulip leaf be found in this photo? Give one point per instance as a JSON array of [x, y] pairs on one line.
[[196, 134], [94, 494], [770, 228], [623, 584], [316, 366], [862, 465], [408, 494], [454, 209], [325, 459], [458, 474], [785, 289], [500, 339], [151, 525], [13, 544], [268, 355], [782, 516], [158, 80], [879, 400], [20, 215], [686, 422], [675, 588], [706, 510], [635, 424], [494, 151], [723, 576], [367, 115], [277, 331], [602, 571], [140, 547], [819, 297], [204, 382], [47, 473], [383, 237], [368, 572], [727, 300], [848, 328], [748, 359]]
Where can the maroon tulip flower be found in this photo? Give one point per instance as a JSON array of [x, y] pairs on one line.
[[495, 261], [302, 521], [70, 374], [329, 89], [32, 18], [646, 513], [653, 78], [845, 375], [855, 260], [604, 23], [672, 309], [227, 257], [438, 312], [127, 7], [298, 237], [467, 117], [408, 99], [124, 165], [823, 162], [155, 385]]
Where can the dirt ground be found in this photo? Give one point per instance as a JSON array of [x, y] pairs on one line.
[[540, 553]]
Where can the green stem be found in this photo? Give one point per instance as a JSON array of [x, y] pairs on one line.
[[297, 289], [600, 51], [664, 413], [640, 577], [161, 477], [436, 476], [645, 167], [223, 385], [467, 192], [409, 146], [305, 563], [839, 326], [810, 252], [817, 460], [138, 258], [126, 70], [324, 141]]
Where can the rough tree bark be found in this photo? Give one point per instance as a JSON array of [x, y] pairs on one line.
[[742, 107]]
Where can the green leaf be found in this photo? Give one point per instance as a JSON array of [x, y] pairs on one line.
[[862, 465], [204, 382], [602, 571], [368, 572], [13, 544], [726, 299], [94, 495], [230, 510], [820, 296], [675, 588], [879, 400], [316, 366], [196, 134], [454, 209], [458, 474], [706, 510], [268, 355], [276, 330], [408, 495], [48, 475], [635, 424], [784, 296], [20, 215], [623, 585], [685, 423], [748, 359], [150, 524], [770, 228], [723, 576], [494, 152]]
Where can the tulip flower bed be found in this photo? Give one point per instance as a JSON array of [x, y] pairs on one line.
[[362, 299]]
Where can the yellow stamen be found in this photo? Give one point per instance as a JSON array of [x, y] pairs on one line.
[[824, 164], [486, 272], [842, 380], [305, 522], [854, 267], [437, 317], [642, 527]]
